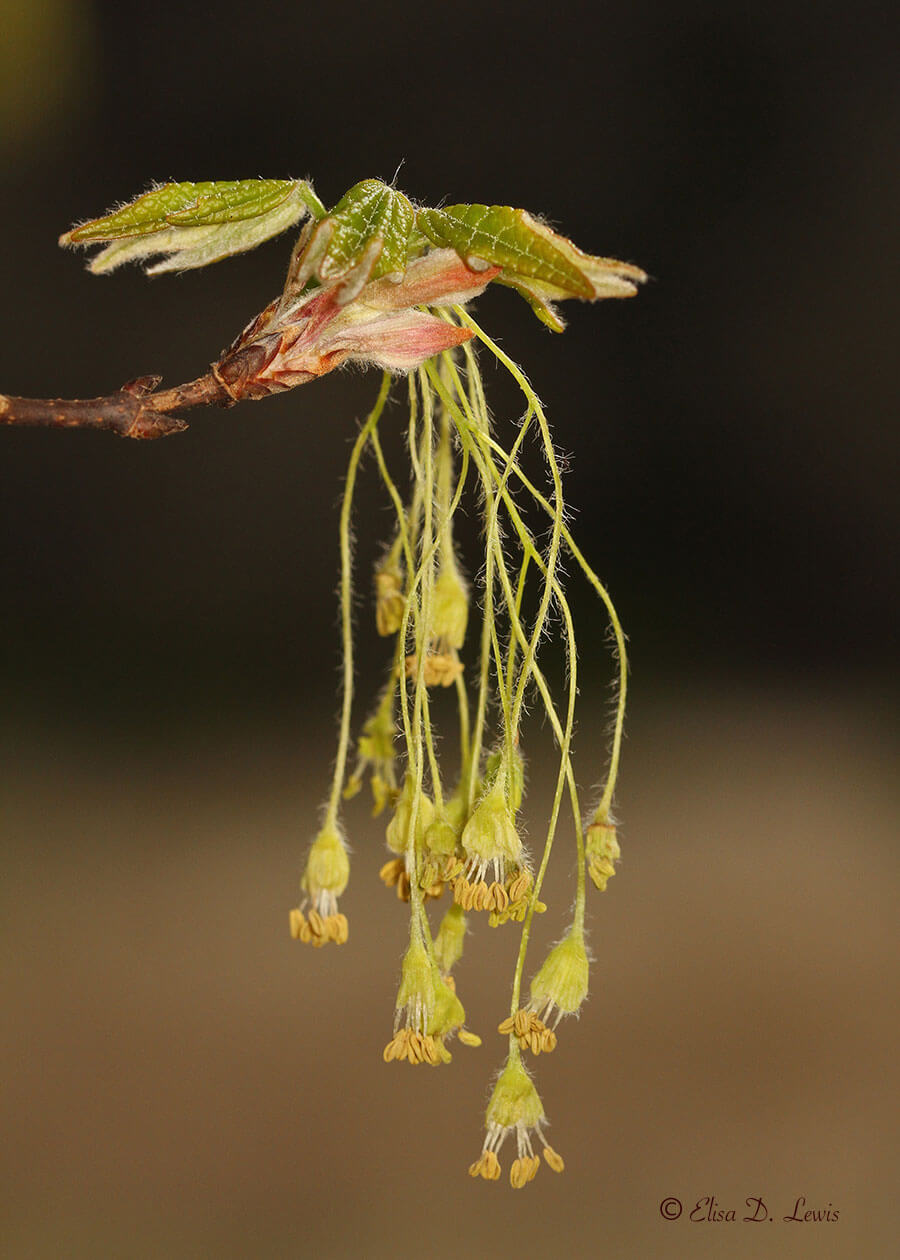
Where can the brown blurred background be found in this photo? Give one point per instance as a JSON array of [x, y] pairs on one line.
[[180, 1079]]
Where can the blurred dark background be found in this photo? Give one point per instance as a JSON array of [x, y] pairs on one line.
[[169, 617]]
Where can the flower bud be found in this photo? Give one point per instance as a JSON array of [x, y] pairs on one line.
[[397, 833], [390, 601], [450, 608], [601, 851], [448, 943], [441, 669]]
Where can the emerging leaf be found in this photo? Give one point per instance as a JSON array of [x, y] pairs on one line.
[[365, 236], [542, 265], [194, 224]]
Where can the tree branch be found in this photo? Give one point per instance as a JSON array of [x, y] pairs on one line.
[[134, 411]]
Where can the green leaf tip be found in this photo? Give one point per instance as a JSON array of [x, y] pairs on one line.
[[194, 224], [536, 261], [364, 237], [369, 212]]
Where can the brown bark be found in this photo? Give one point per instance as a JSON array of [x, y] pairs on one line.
[[133, 411]]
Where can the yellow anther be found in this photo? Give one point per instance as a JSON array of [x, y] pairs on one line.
[[316, 923], [464, 893], [468, 1038], [522, 1023], [522, 1172], [519, 886], [506, 1027], [555, 1160], [393, 1048], [297, 922], [486, 1166], [391, 871]]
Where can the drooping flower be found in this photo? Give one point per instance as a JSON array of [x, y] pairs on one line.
[[324, 879], [428, 1012], [559, 988], [515, 1108]]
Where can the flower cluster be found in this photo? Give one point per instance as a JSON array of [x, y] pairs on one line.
[[454, 822], [378, 281]]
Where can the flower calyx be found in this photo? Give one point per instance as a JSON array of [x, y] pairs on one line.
[[561, 984]]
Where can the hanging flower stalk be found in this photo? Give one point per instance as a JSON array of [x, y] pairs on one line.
[[379, 281]]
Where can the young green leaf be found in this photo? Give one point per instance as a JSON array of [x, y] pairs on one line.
[[536, 261], [365, 236], [194, 224]]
